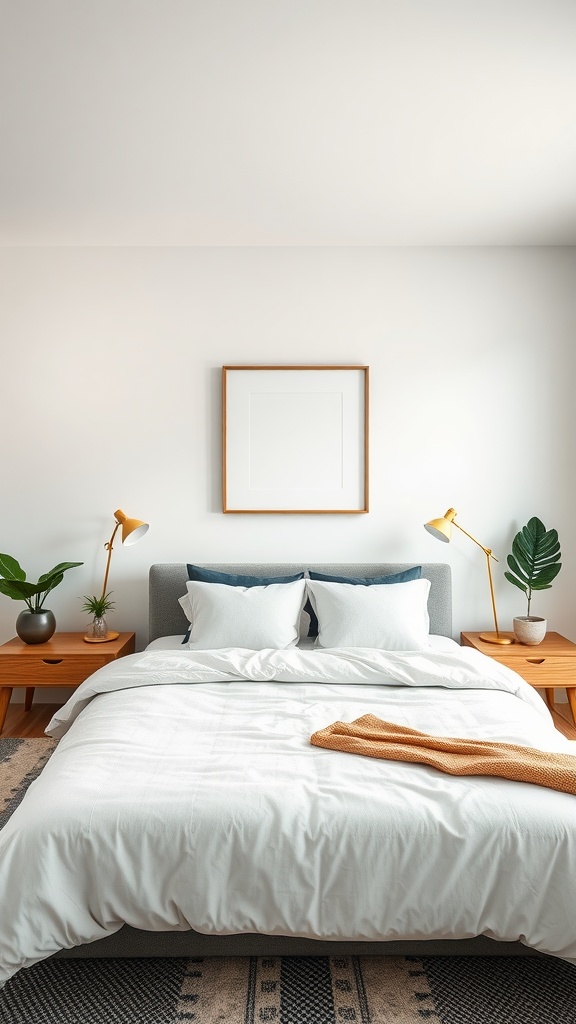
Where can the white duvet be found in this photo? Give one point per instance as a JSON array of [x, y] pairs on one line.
[[185, 794]]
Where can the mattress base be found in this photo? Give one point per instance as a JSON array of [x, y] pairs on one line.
[[133, 942]]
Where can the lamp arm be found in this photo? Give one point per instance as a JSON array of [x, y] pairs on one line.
[[492, 598], [108, 547], [489, 555], [487, 551]]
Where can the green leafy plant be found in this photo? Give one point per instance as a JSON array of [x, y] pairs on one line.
[[13, 582], [97, 606], [535, 559]]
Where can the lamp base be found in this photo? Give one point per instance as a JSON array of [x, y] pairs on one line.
[[496, 638]]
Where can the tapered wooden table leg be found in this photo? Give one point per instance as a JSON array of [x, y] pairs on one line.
[[5, 694], [550, 697], [571, 693], [28, 698]]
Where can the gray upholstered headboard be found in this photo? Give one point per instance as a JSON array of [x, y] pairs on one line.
[[168, 583]]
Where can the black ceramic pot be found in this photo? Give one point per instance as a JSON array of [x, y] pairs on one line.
[[35, 627]]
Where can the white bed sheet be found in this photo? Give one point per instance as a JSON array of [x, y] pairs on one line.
[[172, 802]]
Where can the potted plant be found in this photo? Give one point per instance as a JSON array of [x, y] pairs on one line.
[[35, 624], [97, 607], [533, 564]]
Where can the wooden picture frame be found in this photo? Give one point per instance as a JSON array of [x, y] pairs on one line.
[[295, 439]]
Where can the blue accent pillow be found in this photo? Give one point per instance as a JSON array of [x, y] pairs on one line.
[[415, 573], [200, 575]]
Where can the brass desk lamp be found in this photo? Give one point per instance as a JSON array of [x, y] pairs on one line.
[[442, 530], [132, 531]]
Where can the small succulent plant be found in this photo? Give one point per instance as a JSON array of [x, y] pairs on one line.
[[98, 606]]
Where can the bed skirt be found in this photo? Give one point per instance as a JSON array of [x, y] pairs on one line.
[[133, 942]]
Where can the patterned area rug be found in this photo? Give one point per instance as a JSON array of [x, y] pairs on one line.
[[279, 990]]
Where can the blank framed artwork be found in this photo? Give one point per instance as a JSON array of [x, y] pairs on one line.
[[295, 439]]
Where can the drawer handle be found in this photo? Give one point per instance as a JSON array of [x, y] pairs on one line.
[[535, 661], [52, 661]]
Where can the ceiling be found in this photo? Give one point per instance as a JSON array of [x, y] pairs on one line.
[[288, 122]]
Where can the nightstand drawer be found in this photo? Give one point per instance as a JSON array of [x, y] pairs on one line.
[[52, 670], [540, 670]]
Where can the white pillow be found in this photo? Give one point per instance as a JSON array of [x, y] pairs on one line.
[[392, 617], [252, 617], [186, 606]]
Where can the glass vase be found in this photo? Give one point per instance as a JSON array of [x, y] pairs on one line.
[[98, 629]]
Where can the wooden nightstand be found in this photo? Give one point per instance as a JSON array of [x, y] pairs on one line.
[[548, 666], [65, 660]]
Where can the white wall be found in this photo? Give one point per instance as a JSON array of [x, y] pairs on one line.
[[111, 398], [293, 122]]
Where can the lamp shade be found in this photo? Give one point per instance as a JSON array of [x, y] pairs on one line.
[[132, 529], [441, 528]]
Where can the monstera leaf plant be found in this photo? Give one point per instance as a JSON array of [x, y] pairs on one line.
[[535, 559], [35, 624], [13, 582]]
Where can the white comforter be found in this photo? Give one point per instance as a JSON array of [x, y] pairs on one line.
[[186, 794]]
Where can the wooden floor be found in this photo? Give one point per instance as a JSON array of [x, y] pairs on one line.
[[27, 723], [32, 723]]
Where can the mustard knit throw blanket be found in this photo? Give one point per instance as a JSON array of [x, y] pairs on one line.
[[373, 737]]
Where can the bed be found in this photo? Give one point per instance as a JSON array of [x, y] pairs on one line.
[[185, 811]]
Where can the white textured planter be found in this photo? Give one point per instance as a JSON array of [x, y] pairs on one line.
[[530, 629]]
